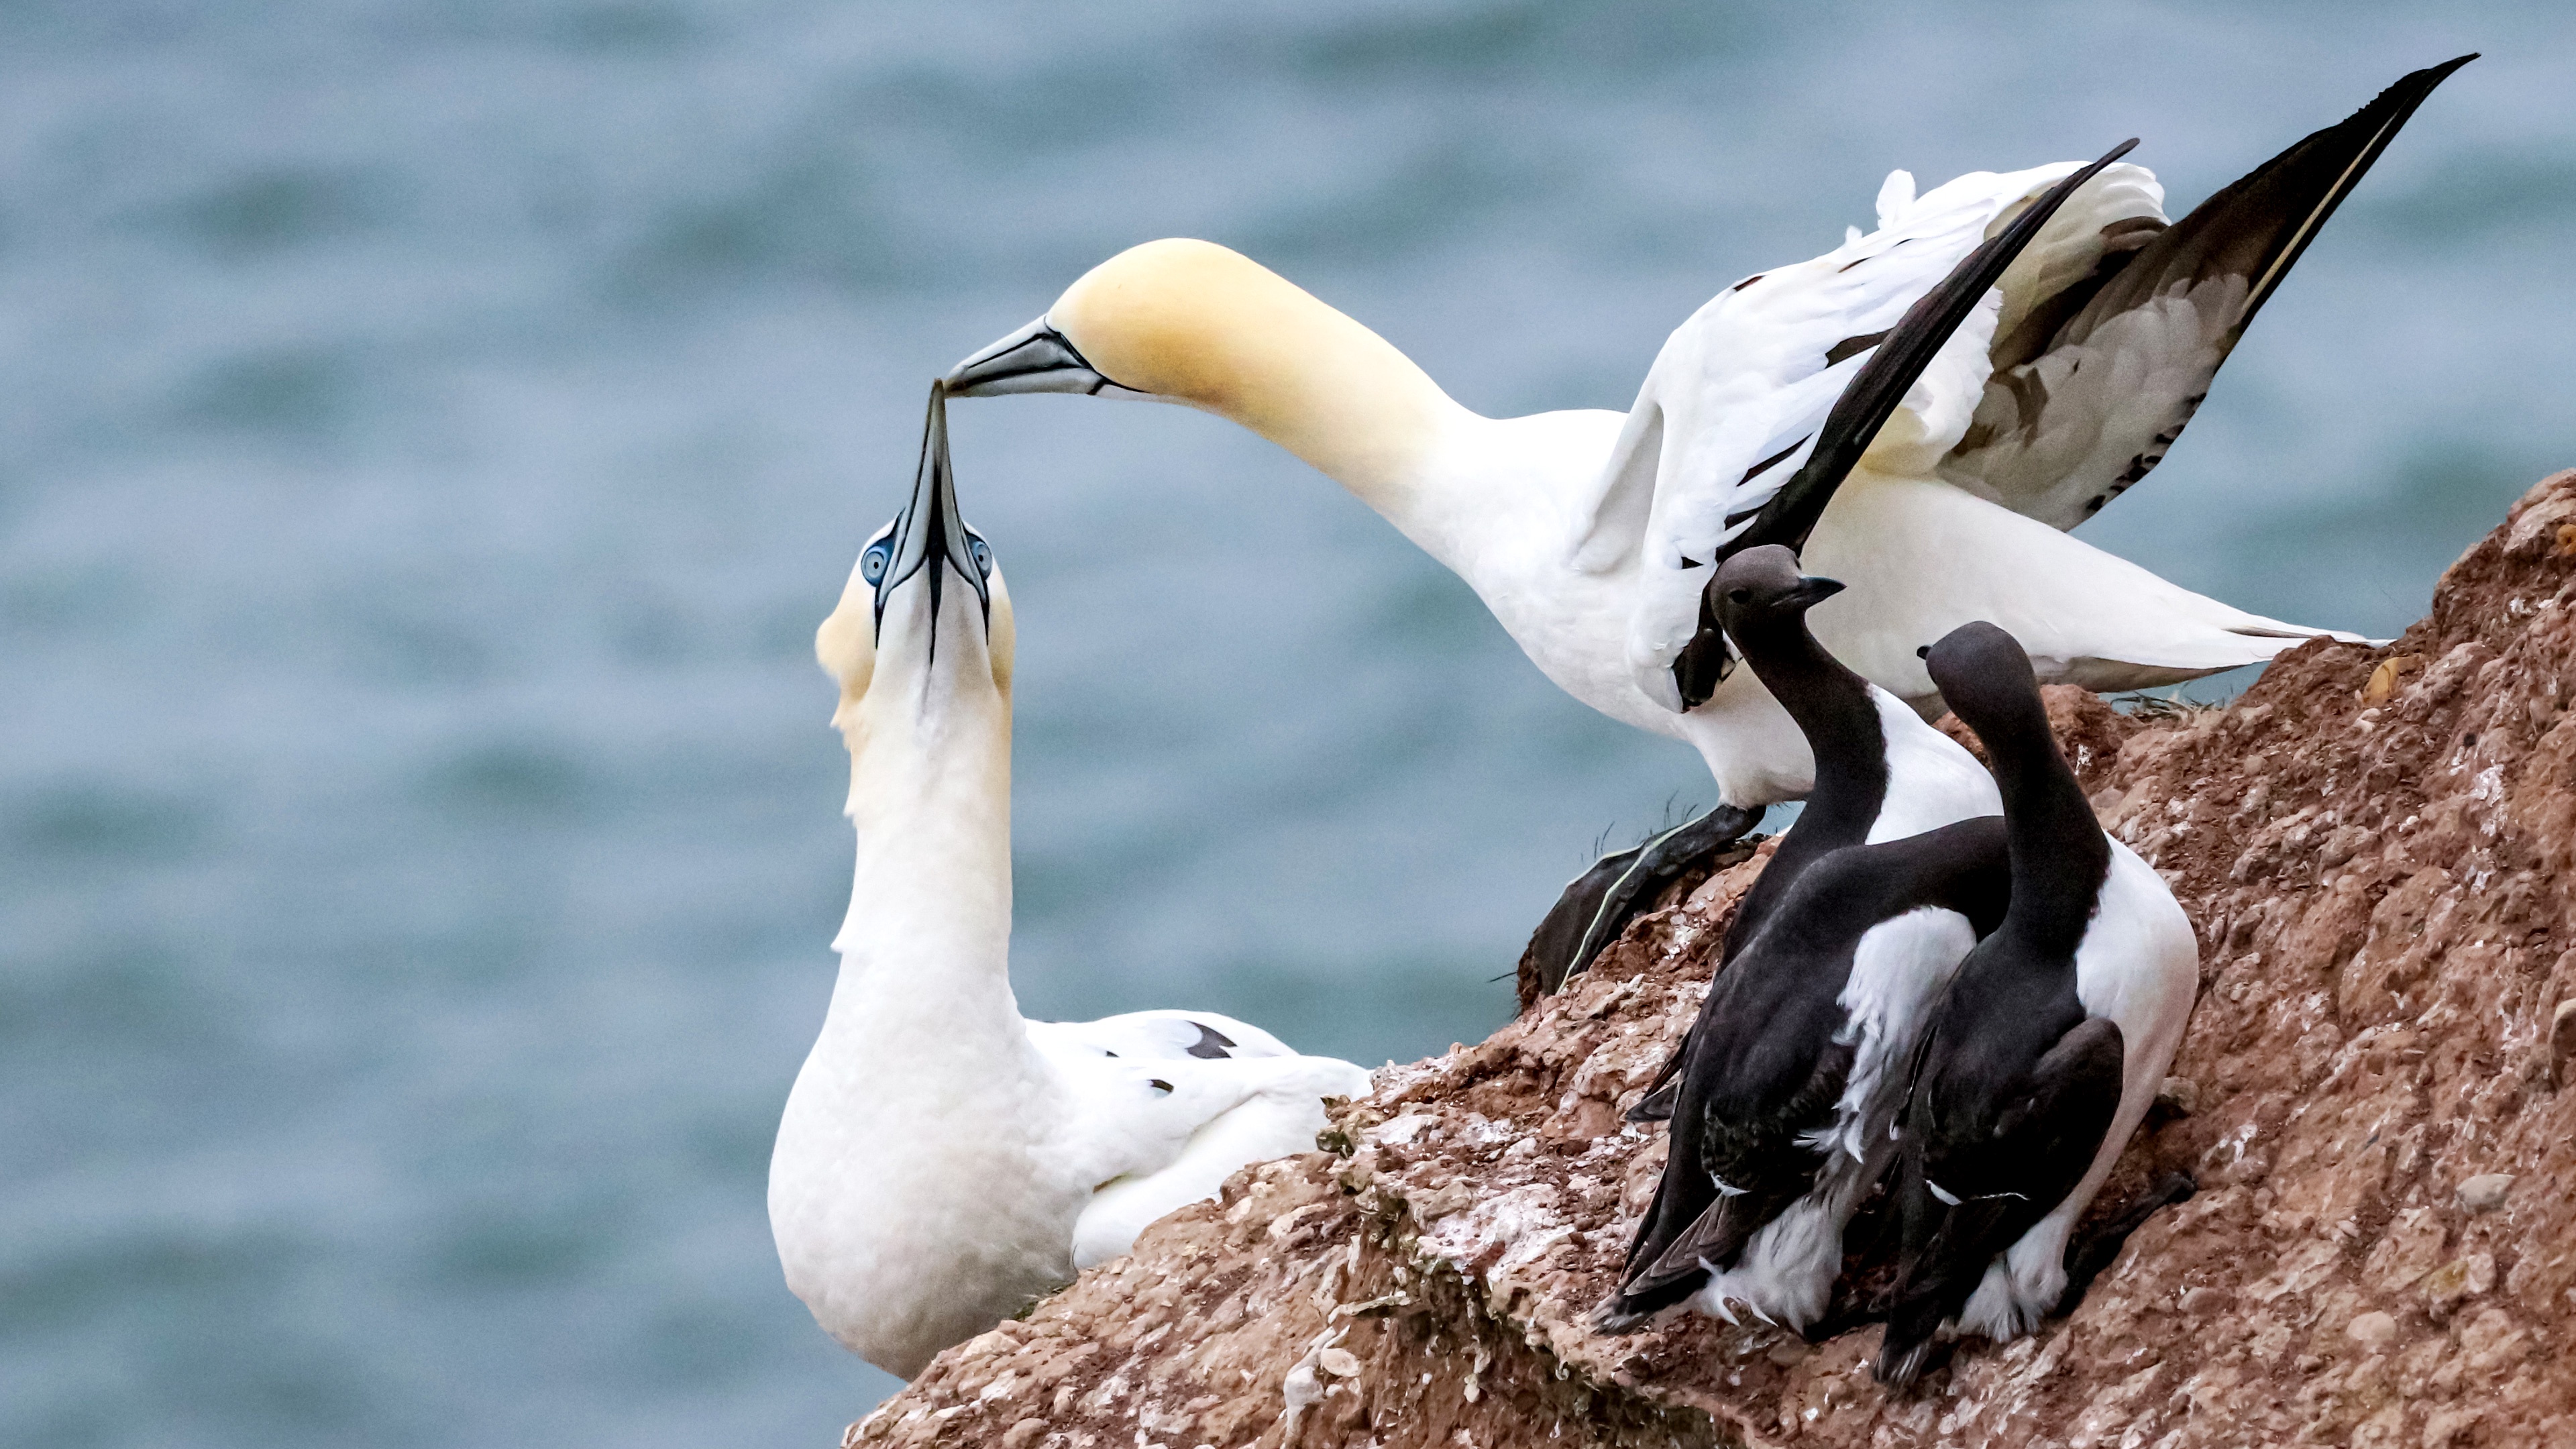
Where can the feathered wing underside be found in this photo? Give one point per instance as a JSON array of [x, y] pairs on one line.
[[1776, 390], [2095, 382], [1762, 343], [1740, 393]]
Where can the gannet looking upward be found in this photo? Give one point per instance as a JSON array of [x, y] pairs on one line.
[[941, 1161], [1585, 531]]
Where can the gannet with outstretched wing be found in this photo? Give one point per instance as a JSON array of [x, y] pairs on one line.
[[942, 1162], [1589, 534]]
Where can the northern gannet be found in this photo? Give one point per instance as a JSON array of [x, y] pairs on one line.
[[1587, 532], [1791, 1075], [2045, 1051], [942, 1162]]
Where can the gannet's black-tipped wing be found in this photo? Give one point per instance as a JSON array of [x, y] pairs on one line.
[[1898, 359], [2091, 389]]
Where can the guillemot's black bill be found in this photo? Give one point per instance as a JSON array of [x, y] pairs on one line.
[[928, 538], [1865, 405], [1037, 358]]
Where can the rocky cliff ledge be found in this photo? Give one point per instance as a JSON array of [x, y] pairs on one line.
[[2376, 847]]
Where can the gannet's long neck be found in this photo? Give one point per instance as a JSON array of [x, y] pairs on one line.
[[930, 798], [1344, 399], [1194, 323], [925, 947]]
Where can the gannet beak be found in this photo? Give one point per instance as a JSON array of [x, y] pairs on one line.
[[928, 534], [1812, 590], [1037, 358]]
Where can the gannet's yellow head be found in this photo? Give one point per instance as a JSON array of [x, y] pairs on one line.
[[1194, 323], [923, 634]]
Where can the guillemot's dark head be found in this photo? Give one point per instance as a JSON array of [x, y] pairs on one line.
[[1986, 679], [1763, 586]]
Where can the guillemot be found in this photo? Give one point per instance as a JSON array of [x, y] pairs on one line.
[[942, 1162], [1782, 1091], [2046, 1049], [1584, 530]]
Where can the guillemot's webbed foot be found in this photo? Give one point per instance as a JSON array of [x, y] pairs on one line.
[[1619, 887], [2096, 1250]]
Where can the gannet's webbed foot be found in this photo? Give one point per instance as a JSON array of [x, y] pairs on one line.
[[1603, 900], [2087, 1256]]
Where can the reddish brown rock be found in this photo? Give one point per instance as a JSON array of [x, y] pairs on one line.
[[2374, 857]]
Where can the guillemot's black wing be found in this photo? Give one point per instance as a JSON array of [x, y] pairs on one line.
[[1864, 406], [1991, 1146], [1766, 1064], [2095, 383]]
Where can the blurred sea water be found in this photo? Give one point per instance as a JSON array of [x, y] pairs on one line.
[[432, 433]]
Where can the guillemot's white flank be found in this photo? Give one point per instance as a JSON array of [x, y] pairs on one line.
[[1586, 533], [942, 1162], [2047, 1047]]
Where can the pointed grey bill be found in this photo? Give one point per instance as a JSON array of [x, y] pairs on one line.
[[929, 538], [1037, 358], [1865, 405]]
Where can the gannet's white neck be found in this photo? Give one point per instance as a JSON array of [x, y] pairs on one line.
[[1192, 322], [928, 728]]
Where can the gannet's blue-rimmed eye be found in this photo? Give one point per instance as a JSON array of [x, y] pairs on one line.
[[872, 564], [982, 553]]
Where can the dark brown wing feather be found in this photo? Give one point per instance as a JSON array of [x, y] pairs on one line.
[[2095, 385]]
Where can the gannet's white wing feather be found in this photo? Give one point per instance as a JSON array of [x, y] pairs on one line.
[[1159, 1036], [2085, 617], [1155, 1135], [1736, 398]]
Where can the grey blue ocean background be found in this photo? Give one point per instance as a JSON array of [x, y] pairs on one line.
[[429, 434]]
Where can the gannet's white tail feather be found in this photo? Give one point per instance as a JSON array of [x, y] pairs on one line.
[[1276, 1109], [1922, 558]]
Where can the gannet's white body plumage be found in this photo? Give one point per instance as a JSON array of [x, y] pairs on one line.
[[1587, 532], [942, 1162]]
